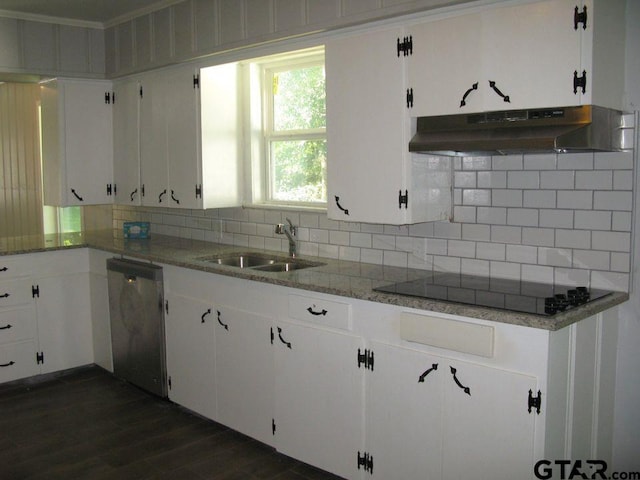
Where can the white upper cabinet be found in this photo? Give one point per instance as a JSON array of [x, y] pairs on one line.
[[529, 55], [371, 177], [126, 142], [77, 147], [177, 169]]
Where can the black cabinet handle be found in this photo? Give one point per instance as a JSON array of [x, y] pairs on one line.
[[3, 269], [173, 197], [466, 390], [226, 327], [463, 102], [346, 211], [6, 327], [164, 192], [5, 295], [288, 344], [208, 312], [505, 98], [7, 364], [427, 372], [317, 312], [133, 194], [76, 195]]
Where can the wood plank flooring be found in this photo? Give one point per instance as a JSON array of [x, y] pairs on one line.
[[86, 424]]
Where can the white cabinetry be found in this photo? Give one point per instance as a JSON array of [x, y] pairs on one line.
[[319, 397], [45, 315], [371, 175], [518, 56], [176, 171], [77, 146], [126, 142]]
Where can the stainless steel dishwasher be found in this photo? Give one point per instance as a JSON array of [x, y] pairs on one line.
[[137, 324]]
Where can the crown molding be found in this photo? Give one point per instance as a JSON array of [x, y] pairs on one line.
[[32, 17], [140, 12]]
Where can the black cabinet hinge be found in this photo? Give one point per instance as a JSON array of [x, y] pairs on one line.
[[39, 358], [366, 462], [142, 189], [365, 358], [272, 336], [579, 82], [403, 199], [273, 426], [109, 189], [35, 291], [405, 46], [166, 306], [169, 382], [409, 97], [199, 191], [107, 98], [141, 92], [534, 402], [196, 81], [580, 17]]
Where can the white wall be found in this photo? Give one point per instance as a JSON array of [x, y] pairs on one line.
[[627, 417]]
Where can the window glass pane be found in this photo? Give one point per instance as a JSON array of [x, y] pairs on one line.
[[299, 99], [70, 219], [299, 171]]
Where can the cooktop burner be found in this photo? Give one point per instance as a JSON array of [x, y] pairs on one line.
[[501, 293]]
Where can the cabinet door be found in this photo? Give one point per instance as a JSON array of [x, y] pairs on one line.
[[182, 116], [445, 69], [404, 413], [190, 328], [88, 142], [488, 431], [64, 321], [319, 397], [18, 360], [531, 52], [244, 372], [126, 144], [153, 142], [366, 128]]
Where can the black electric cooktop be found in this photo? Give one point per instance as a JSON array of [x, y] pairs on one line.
[[501, 293]]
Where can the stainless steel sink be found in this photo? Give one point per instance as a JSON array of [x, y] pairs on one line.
[[259, 261]]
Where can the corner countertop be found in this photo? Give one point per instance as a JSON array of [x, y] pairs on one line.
[[335, 277]]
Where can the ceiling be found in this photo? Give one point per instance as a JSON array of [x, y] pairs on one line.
[[99, 11]]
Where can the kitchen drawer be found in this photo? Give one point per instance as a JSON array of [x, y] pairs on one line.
[[17, 324], [17, 360], [16, 292], [12, 266], [465, 337], [320, 311]]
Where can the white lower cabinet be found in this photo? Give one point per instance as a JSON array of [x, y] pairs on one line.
[[244, 372], [319, 397], [45, 313], [189, 327]]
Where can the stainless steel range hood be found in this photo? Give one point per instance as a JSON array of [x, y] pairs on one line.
[[558, 130]]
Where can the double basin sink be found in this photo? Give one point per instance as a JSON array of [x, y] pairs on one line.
[[263, 262]]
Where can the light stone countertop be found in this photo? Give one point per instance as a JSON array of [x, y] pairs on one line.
[[335, 277]]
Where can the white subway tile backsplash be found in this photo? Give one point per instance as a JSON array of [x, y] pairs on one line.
[[476, 163], [404, 244], [436, 246], [309, 220], [539, 199], [571, 276], [492, 215], [610, 281], [505, 270], [556, 218], [613, 201], [537, 274], [339, 237], [555, 257], [557, 180], [351, 254], [492, 179], [522, 254], [383, 242], [395, 259], [590, 259], [461, 215], [614, 160], [575, 161], [541, 237], [461, 248], [490, 251], [592, 220], [476, 232], [476, 196], [594, 180], [541, 162], [361, 240], [623, 180], [368, 255], [524, 217], [573, 238], [613, 241], [621, 221], [480, 268], [464, 179], [447, 264], [507, 162], [575, 199], [525, 179], [423, 229], [506, 198], [447, 230], [620, 262], [503, 234]]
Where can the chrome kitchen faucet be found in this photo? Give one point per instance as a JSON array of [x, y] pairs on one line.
[[290, 232]]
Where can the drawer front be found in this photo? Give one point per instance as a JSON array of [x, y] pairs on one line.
[[17, 324], [16, 292], [17, 360], [319, 311], [455, 335], [12, 266]]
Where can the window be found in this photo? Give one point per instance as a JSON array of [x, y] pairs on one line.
[[292, 168]]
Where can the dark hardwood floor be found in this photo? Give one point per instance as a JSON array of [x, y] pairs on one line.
[[86, 424]]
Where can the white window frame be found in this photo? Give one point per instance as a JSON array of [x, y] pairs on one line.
[[260, 125]]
